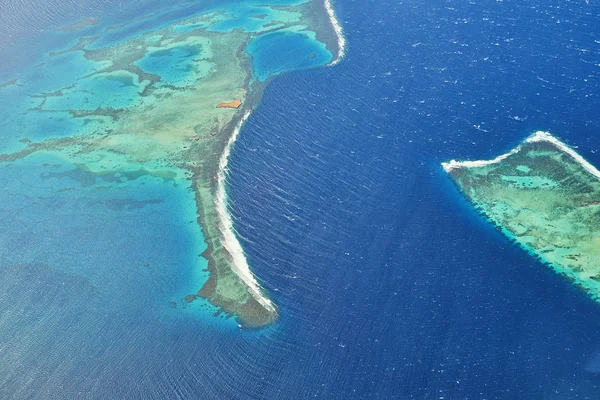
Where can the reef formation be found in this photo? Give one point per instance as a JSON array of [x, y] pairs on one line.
[[546, 197], [153, 97]]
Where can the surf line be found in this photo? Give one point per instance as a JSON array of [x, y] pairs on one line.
[[450, 165], [539, 136], [337, 27], [230, 242]]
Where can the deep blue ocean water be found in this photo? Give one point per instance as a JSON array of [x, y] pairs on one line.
[[388, 283]]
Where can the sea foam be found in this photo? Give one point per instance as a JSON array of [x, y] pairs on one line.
[[337, 27], [230, 242], [539, 136], [450, 165]]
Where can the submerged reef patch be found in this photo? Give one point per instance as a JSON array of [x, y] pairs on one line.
[[546, 197]]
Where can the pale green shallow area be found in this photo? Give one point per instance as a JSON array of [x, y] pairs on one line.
[[545, 197], [147, 106]]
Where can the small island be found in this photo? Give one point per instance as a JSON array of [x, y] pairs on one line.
[[546, 197], [231, 104]]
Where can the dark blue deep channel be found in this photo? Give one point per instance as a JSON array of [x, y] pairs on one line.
[[389, 284]]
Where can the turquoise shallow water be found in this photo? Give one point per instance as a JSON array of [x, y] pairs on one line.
[[113, 91], [178, 65], [59, 84], [102, 228]]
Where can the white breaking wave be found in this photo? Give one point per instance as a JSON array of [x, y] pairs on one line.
[[341, 40], [230, 242], [450, 165], [539, 136]]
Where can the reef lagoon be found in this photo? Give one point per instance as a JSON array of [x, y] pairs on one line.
[[158, 102]]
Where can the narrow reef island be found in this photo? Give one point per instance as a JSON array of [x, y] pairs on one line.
[[166, 96], [546, 197]]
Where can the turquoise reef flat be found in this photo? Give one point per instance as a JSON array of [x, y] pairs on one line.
[[546, 197]]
